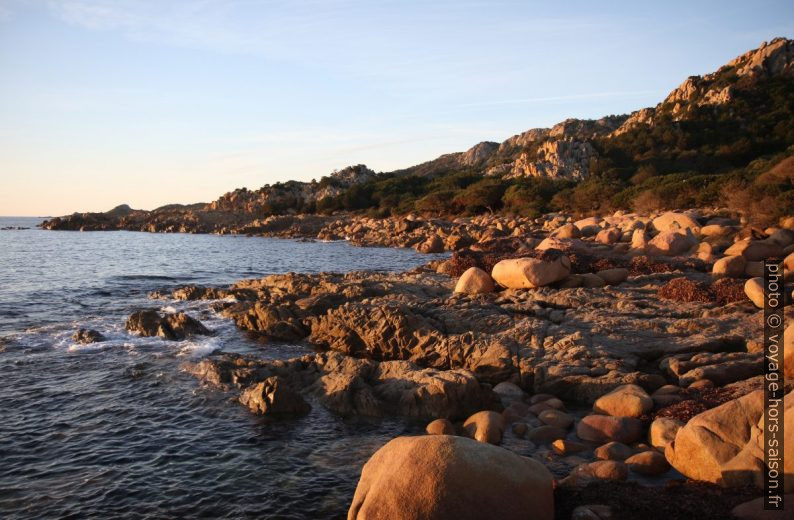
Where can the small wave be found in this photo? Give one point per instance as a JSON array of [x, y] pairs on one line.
[[199, 349]]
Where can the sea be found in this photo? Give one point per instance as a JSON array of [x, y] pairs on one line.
[[117, 429]]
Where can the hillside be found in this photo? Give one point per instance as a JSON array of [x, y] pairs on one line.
[[720, 139]]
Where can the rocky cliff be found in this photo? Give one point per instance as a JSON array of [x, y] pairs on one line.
[[711, 124]]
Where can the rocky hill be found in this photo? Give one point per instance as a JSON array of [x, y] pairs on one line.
[[711, 141]]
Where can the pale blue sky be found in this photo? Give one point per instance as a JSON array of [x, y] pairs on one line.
[[105, 102]]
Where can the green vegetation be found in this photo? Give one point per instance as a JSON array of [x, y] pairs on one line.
[[716, 155]]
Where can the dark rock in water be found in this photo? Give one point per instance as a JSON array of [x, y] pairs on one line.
[[176, 326], [85, 336], [273, 396]]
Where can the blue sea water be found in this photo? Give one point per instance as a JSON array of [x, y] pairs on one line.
[[116, 429]]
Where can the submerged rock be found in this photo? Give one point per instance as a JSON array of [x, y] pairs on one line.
[[176, 326], [273, 396], [85, 336]]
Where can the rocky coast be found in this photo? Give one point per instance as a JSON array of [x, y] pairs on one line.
[[606, 367]]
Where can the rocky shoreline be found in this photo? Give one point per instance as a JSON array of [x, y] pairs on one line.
[[622, 354]]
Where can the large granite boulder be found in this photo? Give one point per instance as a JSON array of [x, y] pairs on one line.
[[528, 273], [437, 477], [724, 445]]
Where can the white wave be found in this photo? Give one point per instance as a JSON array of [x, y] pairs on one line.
[[199, 348]]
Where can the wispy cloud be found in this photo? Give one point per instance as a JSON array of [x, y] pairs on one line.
[[572, 97]]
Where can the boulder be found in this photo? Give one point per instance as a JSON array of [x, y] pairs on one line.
[[440, 427], [485, 426], [671, 243], [433, 244], [755, 250], [546, 434], [650, 463], [754, 289], [614, 451], [474, 281], [566, 447], [731, 266], [608, 236], [724, 445], [591, 280], [717, 230], [605, 428], [663, 431], [567, 231], [508, 392], [624, 401], [273, 396], [439, 477], [528, 273], [556, 418], [672, 221], [598, 470], [176, 326]]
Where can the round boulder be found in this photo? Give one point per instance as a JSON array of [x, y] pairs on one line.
[[474, 281], [528, 273], [604, 428], [439, 477], [485, 426], [624, 401], [440, 427]]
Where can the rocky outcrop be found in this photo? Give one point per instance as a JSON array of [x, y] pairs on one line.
[[273, 396], [442, 476], [172, 326], [563, 159], [348, 386], [771, 59]]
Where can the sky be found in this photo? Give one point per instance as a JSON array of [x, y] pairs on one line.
[[104, 102]]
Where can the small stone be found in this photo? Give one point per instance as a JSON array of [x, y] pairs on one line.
[[519, 429]]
